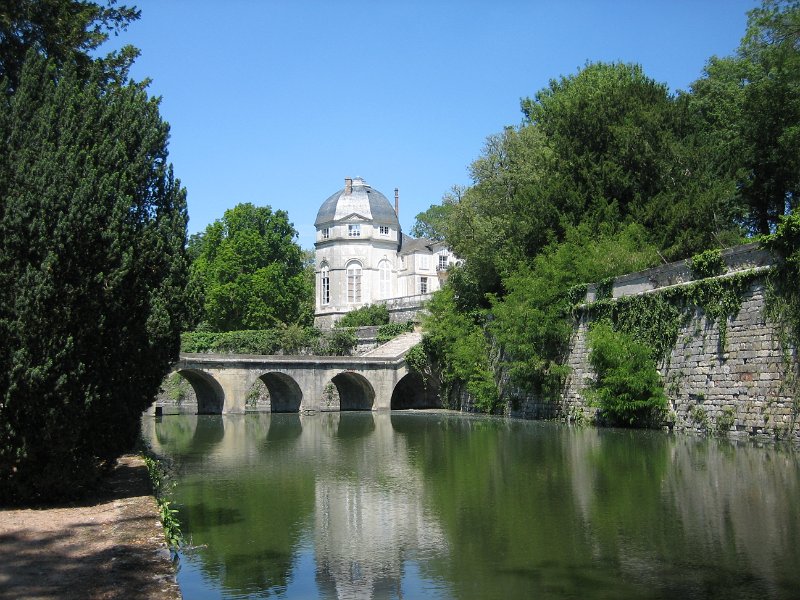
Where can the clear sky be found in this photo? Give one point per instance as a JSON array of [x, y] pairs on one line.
[[276, 102]]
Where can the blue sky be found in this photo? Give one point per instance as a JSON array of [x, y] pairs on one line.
[[276, 102]]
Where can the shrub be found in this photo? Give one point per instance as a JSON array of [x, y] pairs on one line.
[[366, 316], [392, 330], [628, 388], [287, 340], [338, 342]]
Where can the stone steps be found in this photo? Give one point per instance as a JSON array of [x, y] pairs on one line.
[[396, 347]]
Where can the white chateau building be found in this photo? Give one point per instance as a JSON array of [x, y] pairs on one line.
[[362, 256]]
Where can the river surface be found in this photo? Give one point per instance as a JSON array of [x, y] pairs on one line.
[[440, 505]]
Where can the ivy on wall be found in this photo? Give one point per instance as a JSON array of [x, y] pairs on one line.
[[783, 300], [656, 318], [707, 264]]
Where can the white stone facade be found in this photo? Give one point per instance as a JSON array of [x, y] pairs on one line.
[[362, 256]]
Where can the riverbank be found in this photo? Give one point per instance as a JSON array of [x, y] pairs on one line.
[[108, 547]]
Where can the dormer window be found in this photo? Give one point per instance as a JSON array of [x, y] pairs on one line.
[[354, 230], [384, 230], [326, 233]]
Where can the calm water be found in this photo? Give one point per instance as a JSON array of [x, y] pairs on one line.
[[435, 505]]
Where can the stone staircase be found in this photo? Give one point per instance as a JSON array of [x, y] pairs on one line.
[[397, 347]]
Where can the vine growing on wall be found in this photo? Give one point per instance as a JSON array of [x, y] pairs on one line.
[[655, 319], [707, 264], [783, 300]]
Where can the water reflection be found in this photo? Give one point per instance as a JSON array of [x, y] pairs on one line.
[[359, 505]]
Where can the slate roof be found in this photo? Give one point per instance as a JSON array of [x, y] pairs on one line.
[[410, 245], [363, 200]]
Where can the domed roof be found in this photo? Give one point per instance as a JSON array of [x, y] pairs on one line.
[[357, 197]]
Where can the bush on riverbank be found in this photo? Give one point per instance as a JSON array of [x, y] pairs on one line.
[[628, 388]]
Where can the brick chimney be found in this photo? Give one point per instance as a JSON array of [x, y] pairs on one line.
[[348, 186], [397, 202]]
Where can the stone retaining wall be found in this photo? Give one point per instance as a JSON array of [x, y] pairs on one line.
[[742, 390], [401, 310]]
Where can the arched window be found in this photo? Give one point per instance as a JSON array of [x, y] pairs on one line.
[[385, 274], [325, 284], [353, 282]]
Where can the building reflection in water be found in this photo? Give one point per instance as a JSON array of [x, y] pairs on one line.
[[370, 517]]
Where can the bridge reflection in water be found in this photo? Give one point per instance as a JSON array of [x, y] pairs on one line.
[[435, 505], [360, 507]]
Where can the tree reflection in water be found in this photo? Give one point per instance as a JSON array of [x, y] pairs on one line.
[[366, 504]]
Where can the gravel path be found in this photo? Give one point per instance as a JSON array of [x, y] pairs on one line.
[[109, 548]]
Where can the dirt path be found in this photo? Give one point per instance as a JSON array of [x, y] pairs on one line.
[[108, 549]]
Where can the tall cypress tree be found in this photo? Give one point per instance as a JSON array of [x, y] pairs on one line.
[[92, 273]]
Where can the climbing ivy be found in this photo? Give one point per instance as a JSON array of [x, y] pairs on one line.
[[783, 283], [417, 359], [655, 319], [783, 300], [389, 331], [604, 288], [649, 318], [707, 264]]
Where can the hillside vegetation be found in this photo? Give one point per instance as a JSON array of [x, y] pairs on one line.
[[610, 173]]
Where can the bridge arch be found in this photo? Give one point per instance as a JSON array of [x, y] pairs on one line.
[[355, 391], [285, 394], [210, 396], [413, 391]]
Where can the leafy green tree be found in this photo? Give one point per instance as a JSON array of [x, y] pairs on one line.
[[505, 216], [457, 344], [749, 105], [92, 274], [539, 296], [609, 127], [250, 272], [65, 31], [432, 223]]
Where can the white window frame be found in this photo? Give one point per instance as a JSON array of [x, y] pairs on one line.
[[383, 229], [423, 262], [423, 285], [325, 285], [353, 282], [354, 230], [443, 262], [326, 233], [385, 278]]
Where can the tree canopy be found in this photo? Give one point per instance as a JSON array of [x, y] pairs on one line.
[[748, 105], [608, 172], [62, 30], [92, 273], [250, 272]]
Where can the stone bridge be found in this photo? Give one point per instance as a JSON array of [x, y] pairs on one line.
[[378, 380]]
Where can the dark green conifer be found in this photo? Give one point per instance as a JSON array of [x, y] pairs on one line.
[[92, 273]]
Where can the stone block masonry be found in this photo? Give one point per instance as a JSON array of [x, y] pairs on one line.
[[745, 389]]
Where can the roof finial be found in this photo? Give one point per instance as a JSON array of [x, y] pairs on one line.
[[396, 202], [348, 186]]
